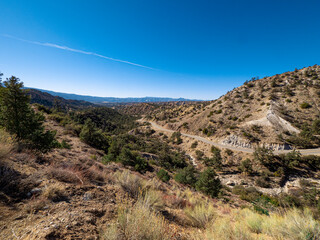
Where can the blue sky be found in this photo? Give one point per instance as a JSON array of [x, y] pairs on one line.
[[167, 48]]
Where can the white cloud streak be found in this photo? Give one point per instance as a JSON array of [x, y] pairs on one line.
[[52, 45]]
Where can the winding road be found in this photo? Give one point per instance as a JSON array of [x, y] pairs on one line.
[[155, 126]]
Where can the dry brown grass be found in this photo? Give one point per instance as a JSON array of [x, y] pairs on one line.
[[55, 192], [138, 222], [200, 215], [35, 205], [77, 173], [67, 175], [6, 143], [130, 183], [175, 202]]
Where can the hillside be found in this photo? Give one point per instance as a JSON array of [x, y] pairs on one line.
[[72, 193], [281, 112], [106, 100], [50, 101]]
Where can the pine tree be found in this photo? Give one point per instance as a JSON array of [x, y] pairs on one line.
[[19, 119], [209, 183]]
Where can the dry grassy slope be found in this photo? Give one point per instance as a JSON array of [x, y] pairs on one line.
[[158, 108], [274, 103], [69, 194]]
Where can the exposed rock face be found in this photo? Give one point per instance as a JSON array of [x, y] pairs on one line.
[[236, 141], [277, 146], [292, 184], [273, 120]]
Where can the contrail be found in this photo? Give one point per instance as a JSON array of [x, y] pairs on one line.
[[75, 50]]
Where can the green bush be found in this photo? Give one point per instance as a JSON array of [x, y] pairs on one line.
[[163, 175], [291, 159], [263, 155], [229, 152], [316, 126], [216, 159], [199, 154], [305, 105], [94, 137], [187, 176], [246, 166], [209, 183], [65, 145], [176, 138], [194, 144], [129, 158]]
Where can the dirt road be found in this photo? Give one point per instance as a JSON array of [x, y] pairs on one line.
[[155, 126]]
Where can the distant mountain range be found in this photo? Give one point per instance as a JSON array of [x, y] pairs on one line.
[[49, 100], [101, 100]]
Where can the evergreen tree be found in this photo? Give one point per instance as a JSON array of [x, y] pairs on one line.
[[187, 175], [93, 136], [18, 118], [209, 183]]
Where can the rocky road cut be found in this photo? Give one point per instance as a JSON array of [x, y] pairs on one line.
[[155, 126]]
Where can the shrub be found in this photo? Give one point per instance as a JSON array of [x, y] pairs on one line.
[[229, 152], [138, 222], [200, 215], [68, 174], [94, 137], [263, 155], [246, 166], [6, 143], [263, 182], [216, 159], [176, 138], [305, 105], [209, 183], [64, 144], [129, 182], [163, 175], [152, 199], [194, 144], [316, 126], [291, 159], [129, 158], [187, 175], [54, 193], [247, 194], [294, 224], [227, 229], [253, 220], [199, 154]]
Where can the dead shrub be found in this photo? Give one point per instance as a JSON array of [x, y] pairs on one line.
[[6, 143], [54, 193], [94, 174], [175, 202], [35, 205], [67, 175], [80, 173], [129, 182]]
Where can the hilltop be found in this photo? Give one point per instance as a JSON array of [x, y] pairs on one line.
[[281, 112]]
